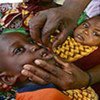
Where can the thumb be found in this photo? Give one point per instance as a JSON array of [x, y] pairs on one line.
[[66, 66]]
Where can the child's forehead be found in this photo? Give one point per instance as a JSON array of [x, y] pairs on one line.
[[95, 20], [10, 38]]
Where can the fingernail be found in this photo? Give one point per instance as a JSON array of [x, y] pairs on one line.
[[24, 72], [27, 67], [37, 62], [30, 79]]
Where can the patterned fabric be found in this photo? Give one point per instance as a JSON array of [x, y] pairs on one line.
[[82, 94], [10, 95], [16, 16], [71, 50]]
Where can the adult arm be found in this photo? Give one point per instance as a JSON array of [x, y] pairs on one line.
[[45, 23]]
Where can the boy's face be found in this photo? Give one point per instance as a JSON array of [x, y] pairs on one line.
[[17, 51], [88, 32]]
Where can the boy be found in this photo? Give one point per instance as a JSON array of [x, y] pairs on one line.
[[16, 50]]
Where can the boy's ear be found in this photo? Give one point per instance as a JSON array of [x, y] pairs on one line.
[[8, 79]]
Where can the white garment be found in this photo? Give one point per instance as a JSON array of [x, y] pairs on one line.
[[10, 1], [59, 1], [17, 1], [93, 8]]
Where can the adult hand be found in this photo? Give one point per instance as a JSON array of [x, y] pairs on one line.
[[46, 22], [68, 77], [33, 74], [64, 18]]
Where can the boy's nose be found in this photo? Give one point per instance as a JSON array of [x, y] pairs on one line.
[[86, 32]]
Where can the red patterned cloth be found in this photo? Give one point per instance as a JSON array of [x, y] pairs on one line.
[[13, 16]]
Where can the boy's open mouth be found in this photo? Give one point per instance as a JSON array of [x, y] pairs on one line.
[[9, 80]]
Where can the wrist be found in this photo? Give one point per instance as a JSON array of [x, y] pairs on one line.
[[76, 6], [89, 79]]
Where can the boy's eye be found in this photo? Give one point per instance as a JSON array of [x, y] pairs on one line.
[[19, 50], [85, 25], [95, 34]]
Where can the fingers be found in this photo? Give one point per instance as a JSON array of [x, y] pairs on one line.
[[65, 28], [46, 76], [26, 72], [59, 78], [33, 70], [49, 28], [36, 24], [55, 71]]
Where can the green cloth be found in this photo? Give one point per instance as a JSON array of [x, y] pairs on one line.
[[82, 18], [21, 30]]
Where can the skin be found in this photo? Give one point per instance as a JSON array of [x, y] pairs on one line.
[[63, 18], [17, 52], [88, 33], [72, 79]]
